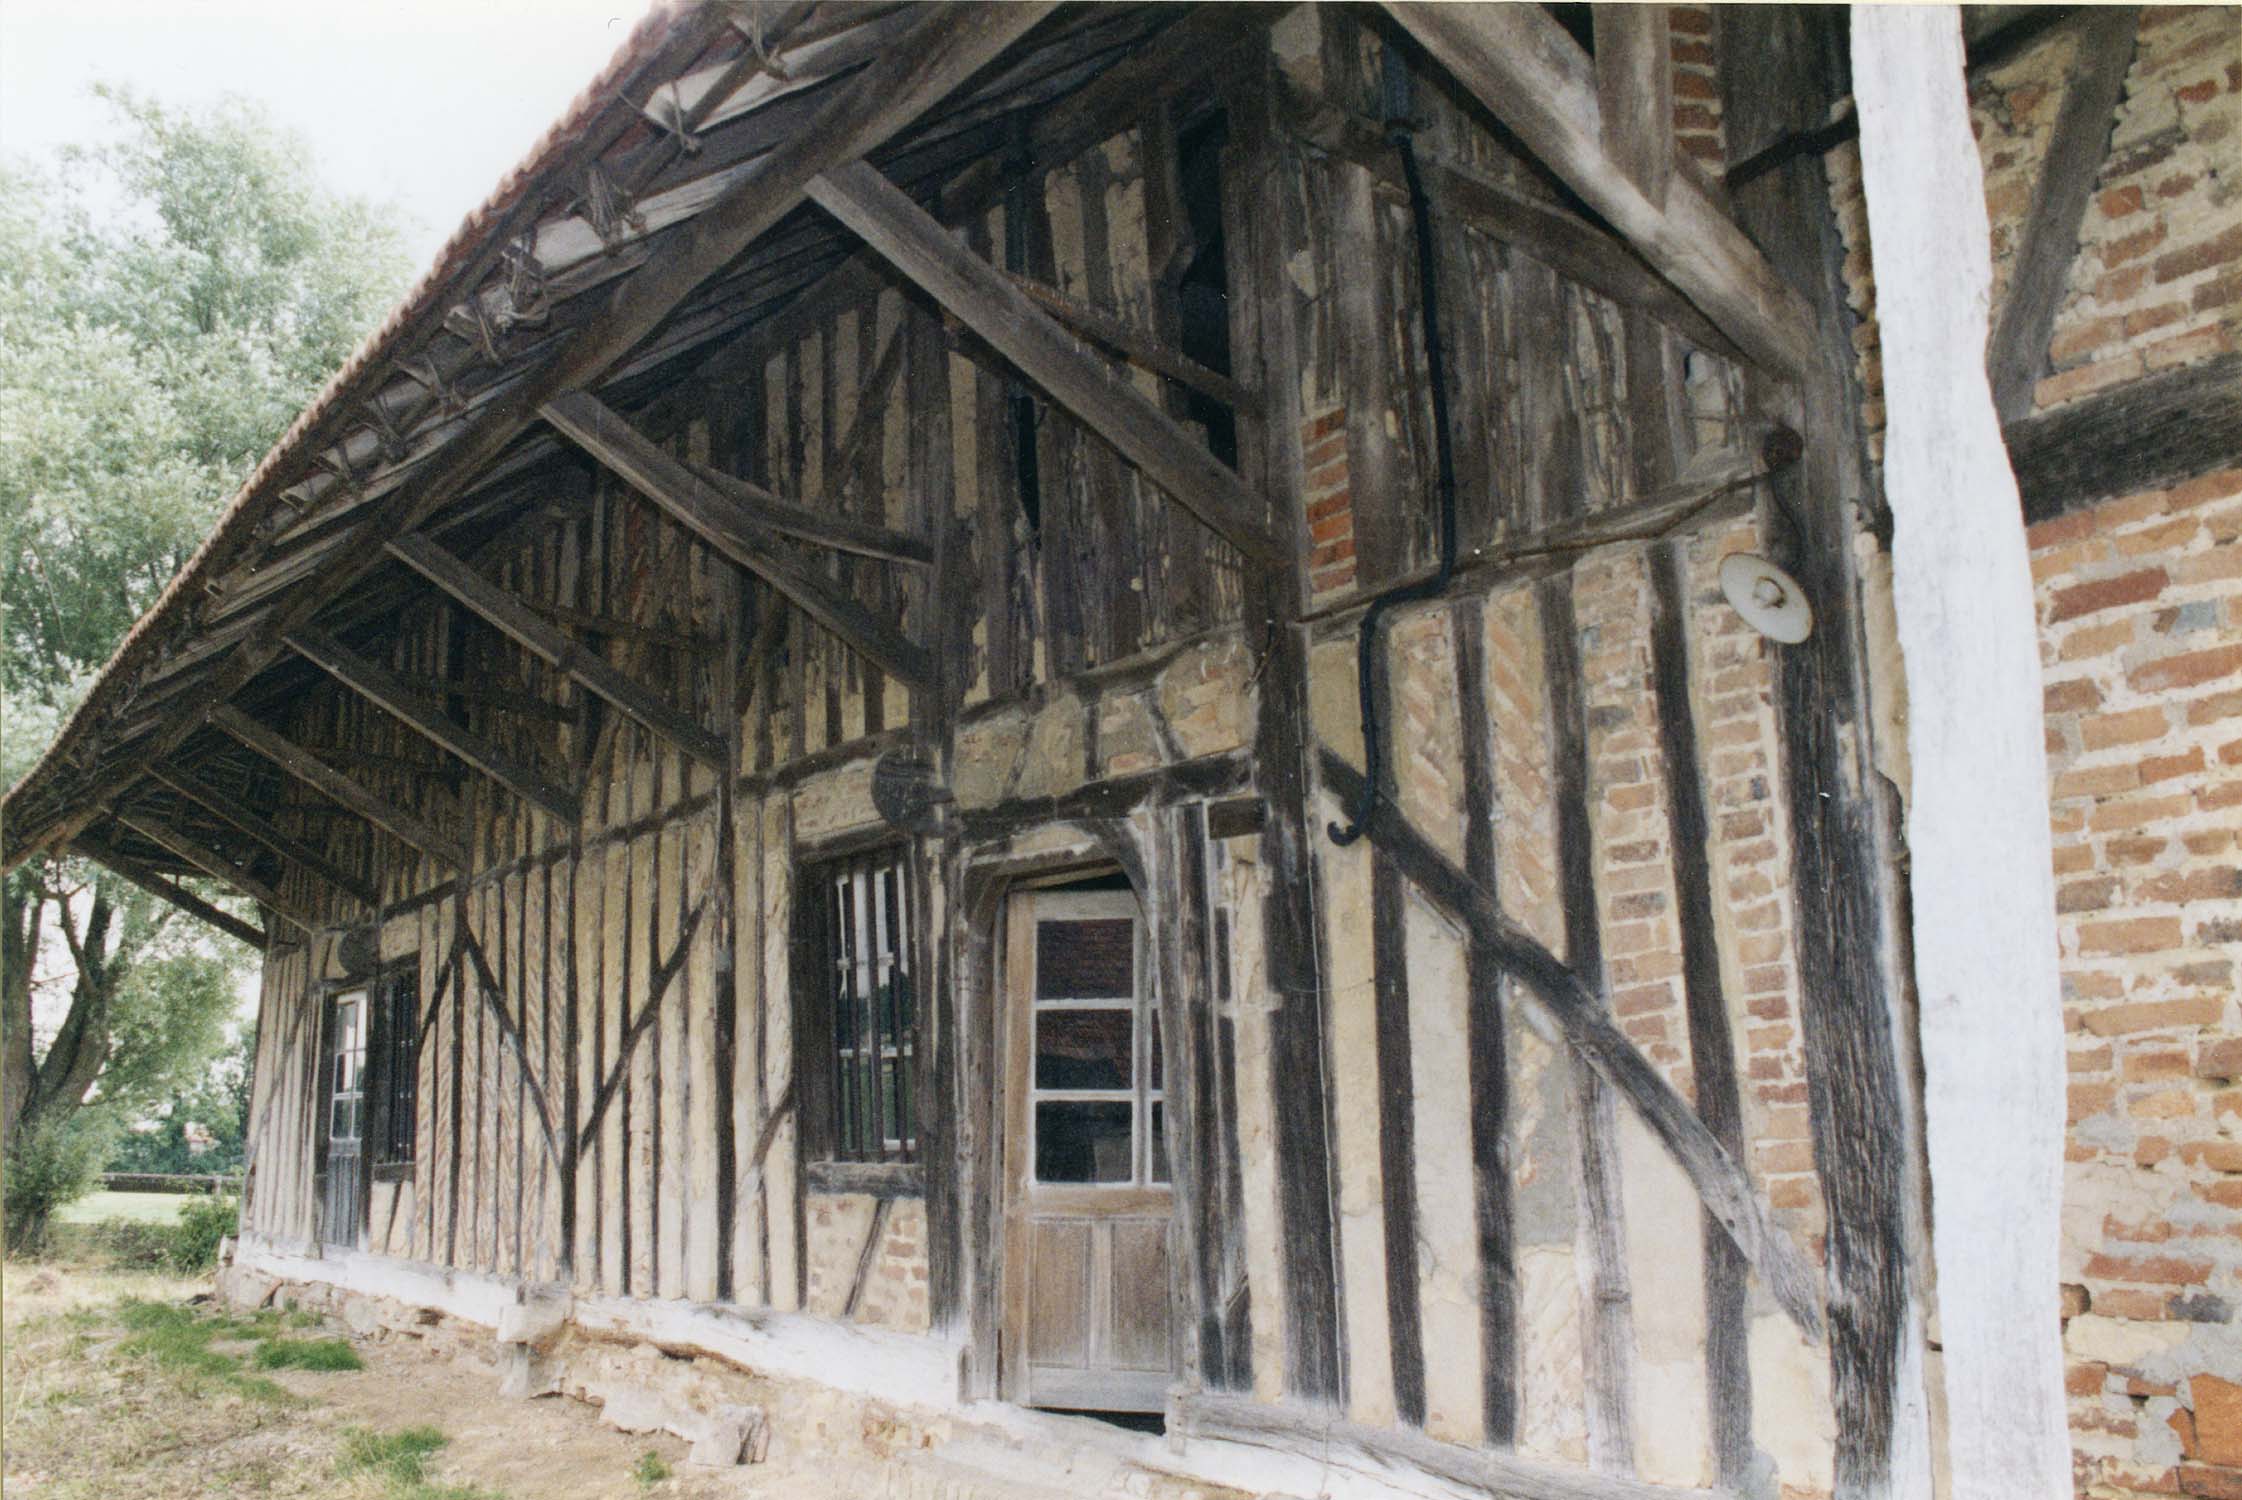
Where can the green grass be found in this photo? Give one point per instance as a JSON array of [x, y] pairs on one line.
[[308, 1354], [401, 1458], [177, 1338], [651, 1469], [137, 1208]]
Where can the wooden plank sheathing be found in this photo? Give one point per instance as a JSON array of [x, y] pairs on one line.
[[643, 1099], [696, 987], [672, 1082], [783, 1257]]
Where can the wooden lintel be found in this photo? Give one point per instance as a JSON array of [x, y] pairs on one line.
[[212, 863], [518, 622], [316, 773], [1519, 63], [2017, 351], [715, 519], [230, 810], [392, 693], [1140, 347], [1720, 1180], [982, 298], [818, 528], [166, 889]]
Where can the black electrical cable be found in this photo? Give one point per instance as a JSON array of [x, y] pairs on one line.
[[1366, 643]]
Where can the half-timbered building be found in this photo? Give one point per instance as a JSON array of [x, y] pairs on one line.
[[1324, 723]]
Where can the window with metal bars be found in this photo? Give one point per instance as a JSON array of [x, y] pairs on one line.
[[397, 1072], [862, 1016]]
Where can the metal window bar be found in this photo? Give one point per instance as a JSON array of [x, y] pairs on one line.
[[401, 1070], [875, 1023]]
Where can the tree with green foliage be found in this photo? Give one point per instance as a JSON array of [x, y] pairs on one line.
[[169, 301]]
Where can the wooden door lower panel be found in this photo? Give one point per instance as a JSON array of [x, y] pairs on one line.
[[1097, 1314]]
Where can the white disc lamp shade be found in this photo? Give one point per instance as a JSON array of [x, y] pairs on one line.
[[1769, 599]]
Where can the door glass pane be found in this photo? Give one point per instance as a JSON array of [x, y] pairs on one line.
[[1159, 1142], [1081, 1141], [1157, 1032], [1085, 960], [1082, 1049]]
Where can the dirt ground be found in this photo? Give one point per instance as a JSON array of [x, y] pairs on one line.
[[86, 1415]]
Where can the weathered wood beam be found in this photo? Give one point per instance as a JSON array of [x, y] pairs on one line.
[[716, 520], [393, 694], [213, 864], [230, 810], [1635, 92], [1463, 194], [884, 216], [2137, 436], [819, 528], [1720, 1180], [166, 889], [1141, 348], [2017, 352], [1186, 52], [594, 623], [513, 618], [1519, 63], [312, 771]]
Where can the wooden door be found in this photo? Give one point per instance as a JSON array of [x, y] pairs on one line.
[[342, 1215], [1088, 1209]]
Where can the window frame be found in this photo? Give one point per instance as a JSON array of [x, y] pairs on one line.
[[833, 1146]]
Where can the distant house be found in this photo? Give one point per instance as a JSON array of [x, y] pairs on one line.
[[1314, 722]]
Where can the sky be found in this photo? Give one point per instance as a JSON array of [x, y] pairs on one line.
[[423, 104]]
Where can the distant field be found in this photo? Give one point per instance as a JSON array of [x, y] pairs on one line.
[[144, 1208]]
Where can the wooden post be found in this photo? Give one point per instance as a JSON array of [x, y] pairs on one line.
[[1843, 817], [1983, 917]]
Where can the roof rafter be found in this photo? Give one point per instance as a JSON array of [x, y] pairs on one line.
[[397, 695], [1017, 327], [316, 773], [710, 515], [519, 622]]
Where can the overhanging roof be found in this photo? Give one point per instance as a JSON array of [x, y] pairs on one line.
[[697, 106]]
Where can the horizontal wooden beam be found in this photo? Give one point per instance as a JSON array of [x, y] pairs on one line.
[[713, 517], [213, 864], [1524, 67], [2131, 437], [395, 695], [231, 811], [982, 298], [166, 889], [819, 528], [316, 773], [525, 627], [1578, 1009]]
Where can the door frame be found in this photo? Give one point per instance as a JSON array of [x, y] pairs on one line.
[[1015, 1127], [967, 1184], [324, 995]]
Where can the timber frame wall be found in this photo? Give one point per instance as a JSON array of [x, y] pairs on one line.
[[1561, 1135]]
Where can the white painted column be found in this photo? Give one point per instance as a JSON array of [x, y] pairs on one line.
[[1984, 903]]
